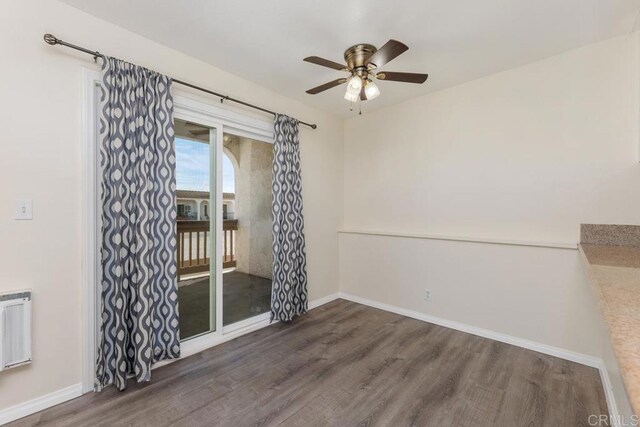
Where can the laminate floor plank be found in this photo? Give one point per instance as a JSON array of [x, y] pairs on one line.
[[309, 371], [347, 364]]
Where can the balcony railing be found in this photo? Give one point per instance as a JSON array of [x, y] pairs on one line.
[[193, 246], [229, 230]]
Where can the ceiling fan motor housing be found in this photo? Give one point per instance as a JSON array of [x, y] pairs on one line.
[[356, 56]]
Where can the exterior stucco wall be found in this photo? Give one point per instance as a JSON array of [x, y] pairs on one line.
[[253, 208]]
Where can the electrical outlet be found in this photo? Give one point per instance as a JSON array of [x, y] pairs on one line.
[[427, 295]]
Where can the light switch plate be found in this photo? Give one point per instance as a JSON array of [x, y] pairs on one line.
[[24, 209]]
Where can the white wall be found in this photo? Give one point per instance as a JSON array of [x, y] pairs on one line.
[[40, 118], [525, 155], [532, 293]]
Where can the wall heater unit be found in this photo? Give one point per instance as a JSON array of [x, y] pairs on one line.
[[15, 329]]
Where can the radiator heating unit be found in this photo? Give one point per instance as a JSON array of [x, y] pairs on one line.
[[15, 329]]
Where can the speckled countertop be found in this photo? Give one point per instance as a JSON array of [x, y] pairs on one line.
[[615, 274]]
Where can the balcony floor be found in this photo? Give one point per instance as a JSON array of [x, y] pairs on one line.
[[244, 296]]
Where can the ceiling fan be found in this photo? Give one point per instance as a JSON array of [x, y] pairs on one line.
[[362, 62]]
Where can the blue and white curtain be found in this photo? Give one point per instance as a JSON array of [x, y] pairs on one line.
[[289, 288], [139, 309]]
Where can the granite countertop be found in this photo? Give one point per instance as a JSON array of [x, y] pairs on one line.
[[615, 274]]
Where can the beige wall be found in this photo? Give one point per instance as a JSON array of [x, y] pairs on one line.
[[40, 117], [527, 155], [537, 294], [254, 251]]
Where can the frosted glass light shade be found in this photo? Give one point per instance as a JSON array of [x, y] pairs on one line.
[[350, 96], [371, 90], [355, 83]]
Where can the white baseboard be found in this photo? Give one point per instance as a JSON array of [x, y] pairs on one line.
[[38, 404], [324, 300], [583, 359], [614, 419]]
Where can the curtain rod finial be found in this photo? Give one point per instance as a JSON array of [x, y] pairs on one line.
[[50, 39]]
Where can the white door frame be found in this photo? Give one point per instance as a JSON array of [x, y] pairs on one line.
[[90, 225], [187, 106]]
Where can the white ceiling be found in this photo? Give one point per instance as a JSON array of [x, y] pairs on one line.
[[454, 41]]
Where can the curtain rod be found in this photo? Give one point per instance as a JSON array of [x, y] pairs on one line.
[[53, 40]]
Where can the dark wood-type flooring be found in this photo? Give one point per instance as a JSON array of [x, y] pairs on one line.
[[347, 364]]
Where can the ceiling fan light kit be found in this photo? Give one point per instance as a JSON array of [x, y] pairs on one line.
[[362, 61]]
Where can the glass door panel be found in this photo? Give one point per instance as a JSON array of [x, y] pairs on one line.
[[246, 236], [195, 201]]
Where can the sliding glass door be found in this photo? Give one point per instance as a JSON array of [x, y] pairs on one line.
[[224, 237]]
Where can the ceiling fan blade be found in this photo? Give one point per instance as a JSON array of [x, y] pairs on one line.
[[392, 49], [402, 77], [325, 62], [199, 132], [326, 86]]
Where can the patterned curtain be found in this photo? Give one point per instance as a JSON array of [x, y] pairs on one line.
[[139, 324], [289, 289]]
